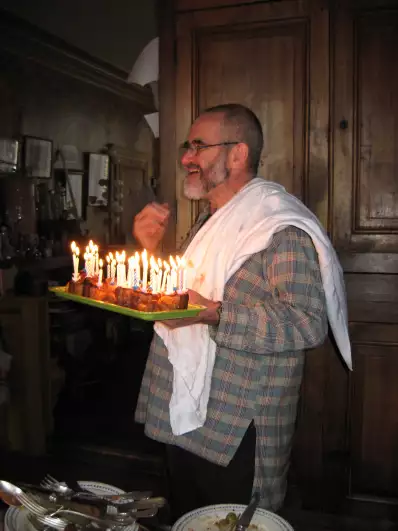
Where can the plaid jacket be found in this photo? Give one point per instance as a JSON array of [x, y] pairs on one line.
[[273, 309]]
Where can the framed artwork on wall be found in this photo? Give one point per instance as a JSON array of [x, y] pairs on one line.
[[38, 154]]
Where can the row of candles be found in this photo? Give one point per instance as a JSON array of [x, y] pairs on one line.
[[164, 277]]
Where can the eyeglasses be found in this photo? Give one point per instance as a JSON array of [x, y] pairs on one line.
[[193, 148]]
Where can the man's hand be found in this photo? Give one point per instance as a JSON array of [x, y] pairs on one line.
[[150, 225], [208, 316]]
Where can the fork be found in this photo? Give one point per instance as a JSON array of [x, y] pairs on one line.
[[50, 521], [30, 504], [51, 483]]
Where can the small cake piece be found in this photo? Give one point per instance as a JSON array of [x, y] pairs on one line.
[[76, 287], [176, 301]]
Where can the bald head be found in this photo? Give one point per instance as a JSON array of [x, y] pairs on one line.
[[240, 124]]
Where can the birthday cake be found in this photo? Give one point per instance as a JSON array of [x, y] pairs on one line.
[[146, 286]]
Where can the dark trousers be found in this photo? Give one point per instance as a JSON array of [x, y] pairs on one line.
[[196, 482]]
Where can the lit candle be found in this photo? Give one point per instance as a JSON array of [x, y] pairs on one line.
[[144, 270], [152, 274], [169, 288], [119, 276], [100, 271], [130, 272], [137, 272], [123, 279], [160, 274], [96, 259], [108, 267], [113, 270], [173, 276], [76, 263], [75, 258], [180, 274], [165, 275]]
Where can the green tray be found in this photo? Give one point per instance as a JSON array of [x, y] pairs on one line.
[[146, 316]]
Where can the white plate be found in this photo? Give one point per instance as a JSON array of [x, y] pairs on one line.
[[205, 519], [16, 519]]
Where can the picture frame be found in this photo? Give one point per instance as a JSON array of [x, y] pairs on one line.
[[38, 157], [75, 186]]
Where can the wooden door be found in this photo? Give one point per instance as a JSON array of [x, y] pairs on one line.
[[365, 232], [272, 57]]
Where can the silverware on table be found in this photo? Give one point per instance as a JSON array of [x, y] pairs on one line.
[[72, 488], [244, 520]]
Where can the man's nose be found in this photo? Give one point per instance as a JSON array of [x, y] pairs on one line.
[[187, 157]]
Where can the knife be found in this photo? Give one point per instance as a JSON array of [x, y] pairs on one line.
[[247, 515]]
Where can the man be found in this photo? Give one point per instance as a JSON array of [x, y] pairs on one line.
[[272, 309]]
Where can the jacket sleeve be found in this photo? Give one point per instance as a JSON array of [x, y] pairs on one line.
[[292, 314]]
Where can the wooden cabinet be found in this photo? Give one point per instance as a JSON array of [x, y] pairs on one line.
[[269, 57], [322, 77], [24, 326], [365, 125]]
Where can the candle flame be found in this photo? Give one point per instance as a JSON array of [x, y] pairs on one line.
[[73, 246], [137, 257], [172, 263], [160, 263], [91, 244], [77, 251], [178, 261], [144, 256], [101, 263], [108, 259], [111, 256], [166, 266]]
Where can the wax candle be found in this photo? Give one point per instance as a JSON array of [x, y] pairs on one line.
[[165, 275], [96, 259], [152, 274], [137, 278], [173, 274], [130, 272], [108, 267], [124, 274], [113, 270], [76, 264], [75, 258], [100, 271], [144, 269], [160, 275]]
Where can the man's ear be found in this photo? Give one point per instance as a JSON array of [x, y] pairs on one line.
[[239, 155]]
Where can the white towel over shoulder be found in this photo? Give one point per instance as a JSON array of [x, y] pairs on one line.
[[241, 228]]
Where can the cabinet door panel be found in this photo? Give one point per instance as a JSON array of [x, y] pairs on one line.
[[366, 129], [264, 56]]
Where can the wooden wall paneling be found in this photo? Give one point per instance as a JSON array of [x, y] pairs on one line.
[[192, 5], [30, 415], [374, 403], [168, 56], [365, 123], [291, 38]]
